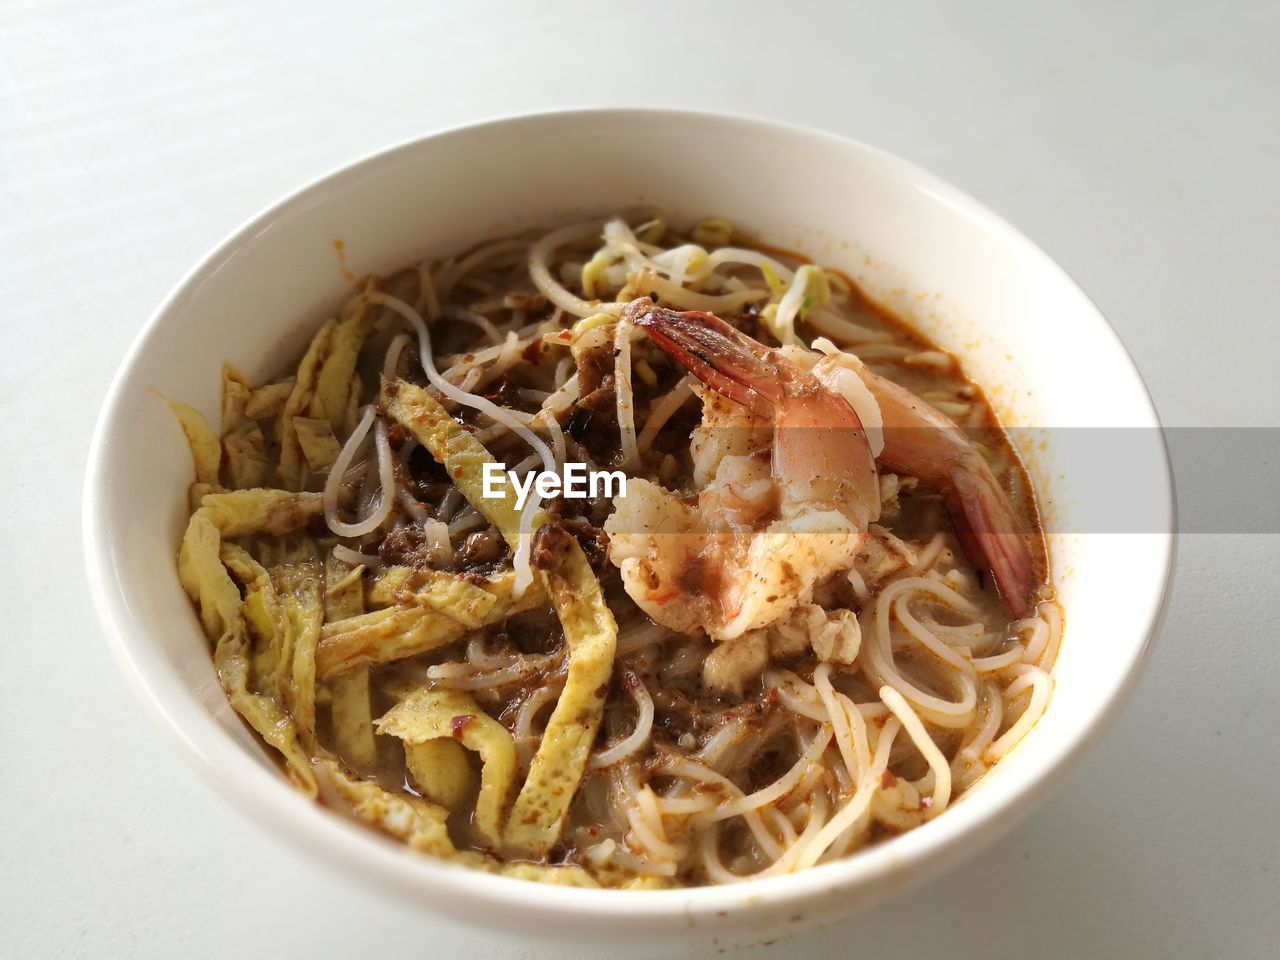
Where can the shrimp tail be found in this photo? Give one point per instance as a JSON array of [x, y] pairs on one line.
[[719, 355], [922, 442], [991, 534]]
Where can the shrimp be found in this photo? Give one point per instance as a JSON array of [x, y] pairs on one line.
[[923, 442], [917, 439], [773, 520]]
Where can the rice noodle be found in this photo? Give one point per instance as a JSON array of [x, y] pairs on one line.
[[412, 506], [1041, 685], [479, 320], [407, 446], [780, 787], [999, 661], [683, 806], [555, 434], [647, 830], [639, 736], [428, 301], [635, 638], [970, 755], [524, 572], [816, 809], [1046, 634], [530, 707], [797, 696], [928, 556], [386, 479], [477, 656], [391, 364], [719, 743], [857, 806], [693, 770], [848, 727], [355, 558], [662, 410], [449, 504], [465, 522], [463, 677], [458, 364], [450, 273], [924, 743], [881, 668]]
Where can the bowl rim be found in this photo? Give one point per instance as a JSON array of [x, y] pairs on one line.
[[265, 797]]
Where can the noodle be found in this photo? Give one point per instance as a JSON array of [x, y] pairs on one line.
[[638, 737], [524, 574], [663, 409], [347, 555], [1041, 686], [780, 787], [883, 669], [386, 480], [897, 703]]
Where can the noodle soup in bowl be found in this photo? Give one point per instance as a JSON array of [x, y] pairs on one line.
[[953, 271]]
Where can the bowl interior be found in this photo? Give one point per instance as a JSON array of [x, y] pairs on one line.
[[966, 279]]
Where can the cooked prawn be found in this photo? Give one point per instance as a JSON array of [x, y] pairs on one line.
[[771, 522], [925, 443], [915, 438]]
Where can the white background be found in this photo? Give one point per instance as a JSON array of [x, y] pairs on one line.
[[1139, 144]]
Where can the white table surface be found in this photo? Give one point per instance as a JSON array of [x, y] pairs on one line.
[[1137, 143]]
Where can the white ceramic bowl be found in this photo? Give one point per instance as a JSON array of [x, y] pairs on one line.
[[960, 273]]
